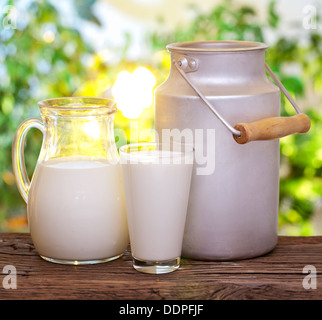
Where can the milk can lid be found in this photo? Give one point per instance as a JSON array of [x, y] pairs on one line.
[[216, 46]]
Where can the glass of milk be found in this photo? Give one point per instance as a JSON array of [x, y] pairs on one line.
[[157, 184]]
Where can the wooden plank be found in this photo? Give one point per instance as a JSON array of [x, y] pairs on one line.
[[276, 275]]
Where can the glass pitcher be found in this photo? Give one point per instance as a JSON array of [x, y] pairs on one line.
[[75, 201]]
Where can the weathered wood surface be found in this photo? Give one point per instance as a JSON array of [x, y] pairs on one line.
[[277, 275]]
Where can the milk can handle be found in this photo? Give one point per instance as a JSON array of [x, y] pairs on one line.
[[18, 160], [266, 129]]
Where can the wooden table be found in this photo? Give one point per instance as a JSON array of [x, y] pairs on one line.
[[277, 275]]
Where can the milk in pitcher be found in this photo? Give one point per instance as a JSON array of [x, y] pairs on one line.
[[77, 210]]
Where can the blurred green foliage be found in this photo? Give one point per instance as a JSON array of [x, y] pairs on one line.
[[40, 58], [45, 57]]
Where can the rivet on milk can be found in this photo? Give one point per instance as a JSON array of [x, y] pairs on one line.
[[218, 92]]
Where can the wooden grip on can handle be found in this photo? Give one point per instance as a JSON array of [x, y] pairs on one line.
[[272, 128]]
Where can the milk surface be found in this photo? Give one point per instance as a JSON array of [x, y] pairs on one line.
[[156, 201], [76, 210]]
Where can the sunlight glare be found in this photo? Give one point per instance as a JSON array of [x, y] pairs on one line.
[[133, 92], [91, 129]]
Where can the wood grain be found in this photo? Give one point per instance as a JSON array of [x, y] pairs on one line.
[[272, 128], [276, 275]]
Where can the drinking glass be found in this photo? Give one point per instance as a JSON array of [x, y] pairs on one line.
[[156, 183]]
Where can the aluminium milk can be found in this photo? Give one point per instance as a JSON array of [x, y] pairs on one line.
[[234, 196]]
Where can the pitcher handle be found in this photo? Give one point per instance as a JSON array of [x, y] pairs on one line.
[[18, 160]]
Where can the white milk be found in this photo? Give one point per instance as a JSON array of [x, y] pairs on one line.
[[77, 210], [156, 201]]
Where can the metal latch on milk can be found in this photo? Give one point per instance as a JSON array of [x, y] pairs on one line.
[[266, 129]]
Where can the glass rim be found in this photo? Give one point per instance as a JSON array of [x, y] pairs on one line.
[[188, 148], [79, 104]]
